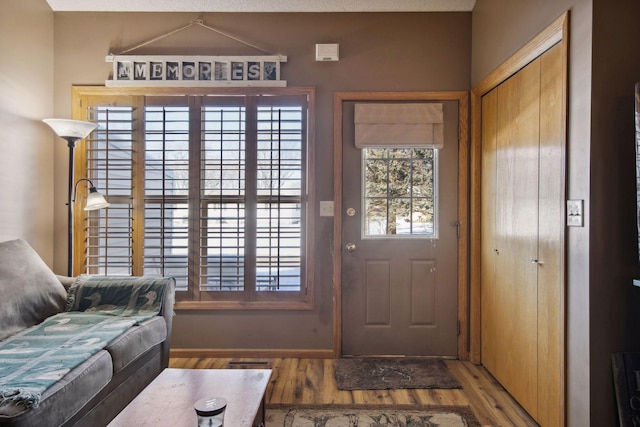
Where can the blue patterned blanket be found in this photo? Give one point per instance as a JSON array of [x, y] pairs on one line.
[[99, 309]]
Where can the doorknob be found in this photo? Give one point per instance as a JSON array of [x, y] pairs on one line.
[[350, 247]]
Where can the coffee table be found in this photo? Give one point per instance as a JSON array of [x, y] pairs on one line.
[[169, 399]]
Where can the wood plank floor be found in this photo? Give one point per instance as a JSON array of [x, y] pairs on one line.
[[296, 381]]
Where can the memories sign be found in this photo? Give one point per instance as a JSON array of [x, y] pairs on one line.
[[263, 71]]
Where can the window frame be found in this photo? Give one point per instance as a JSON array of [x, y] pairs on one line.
[[85, 96]]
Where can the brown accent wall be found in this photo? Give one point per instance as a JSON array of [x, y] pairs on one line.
[[378, 52], [26, 144], [614, 303]]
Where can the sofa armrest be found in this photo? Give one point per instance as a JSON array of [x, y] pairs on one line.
[[167, 312], [66, 281]]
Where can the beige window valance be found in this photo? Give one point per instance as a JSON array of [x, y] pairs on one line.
[[415, 125]]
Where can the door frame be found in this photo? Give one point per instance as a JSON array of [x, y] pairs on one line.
[[339, 99]]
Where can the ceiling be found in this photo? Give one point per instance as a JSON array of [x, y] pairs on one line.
[[261, 5]]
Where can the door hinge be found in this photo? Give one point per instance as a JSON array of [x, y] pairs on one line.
[[457, 225], [458, 328]]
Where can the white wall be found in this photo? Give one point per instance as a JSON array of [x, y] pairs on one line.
[[26, 144]]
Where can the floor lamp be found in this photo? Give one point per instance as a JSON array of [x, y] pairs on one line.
[[72, 131]]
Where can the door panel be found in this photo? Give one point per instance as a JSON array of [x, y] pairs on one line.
[[489, 246], [551, 244], [423, 292], [377, 292], [517, 226], [399, 295]]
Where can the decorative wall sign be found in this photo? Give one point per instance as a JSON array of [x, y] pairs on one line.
[[144, 70]]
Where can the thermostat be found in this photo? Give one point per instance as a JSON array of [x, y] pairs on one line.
[[326, 52]]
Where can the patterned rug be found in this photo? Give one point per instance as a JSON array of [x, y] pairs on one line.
[[369, 416], [393, 373]]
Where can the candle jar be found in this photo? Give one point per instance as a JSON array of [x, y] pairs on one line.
[[210, 411]]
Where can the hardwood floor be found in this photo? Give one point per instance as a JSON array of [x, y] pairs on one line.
[[298, 381]]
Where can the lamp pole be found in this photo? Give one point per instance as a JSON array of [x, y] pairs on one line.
[[71, 143]]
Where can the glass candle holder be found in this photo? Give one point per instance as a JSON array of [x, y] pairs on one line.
[[210, 411]]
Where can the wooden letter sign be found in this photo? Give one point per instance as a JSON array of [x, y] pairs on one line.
[[263, 71]]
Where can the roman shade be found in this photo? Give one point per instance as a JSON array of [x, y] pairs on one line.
[[398, 125]]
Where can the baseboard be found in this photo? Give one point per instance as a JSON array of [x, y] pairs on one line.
[[252, 353]]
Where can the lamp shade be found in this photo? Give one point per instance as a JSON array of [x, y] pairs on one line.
[[75, 129], [95, 200]]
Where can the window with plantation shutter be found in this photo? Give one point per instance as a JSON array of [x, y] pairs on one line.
[[166, 189], [223, 190], [108, 234], [210, 188]]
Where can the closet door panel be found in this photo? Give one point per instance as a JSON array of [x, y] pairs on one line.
[[551, 241], [517, 233], [491, 344]]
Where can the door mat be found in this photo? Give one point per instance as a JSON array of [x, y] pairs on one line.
[[393, 373], [369, 416]]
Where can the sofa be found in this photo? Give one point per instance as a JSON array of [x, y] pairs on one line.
[[74, 351]]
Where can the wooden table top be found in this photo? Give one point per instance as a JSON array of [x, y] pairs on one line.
[[169, 399]]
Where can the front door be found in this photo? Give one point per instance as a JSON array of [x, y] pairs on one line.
[[399, 244]]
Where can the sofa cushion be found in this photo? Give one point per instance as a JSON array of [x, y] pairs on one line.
[[29, 290], [66, 397], [136, 341]]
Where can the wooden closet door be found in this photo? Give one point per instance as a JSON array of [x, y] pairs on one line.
[[517, 234]]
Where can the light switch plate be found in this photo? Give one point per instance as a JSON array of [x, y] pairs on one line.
[[326, 208], [575, 213]]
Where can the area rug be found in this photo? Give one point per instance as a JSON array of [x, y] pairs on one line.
[[393, 373], [369, 416]]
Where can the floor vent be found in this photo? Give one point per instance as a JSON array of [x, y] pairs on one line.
[[251, 364]]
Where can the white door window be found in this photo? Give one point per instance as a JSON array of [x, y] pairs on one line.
[[399, 192]]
